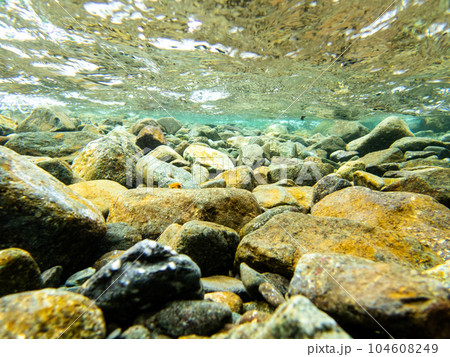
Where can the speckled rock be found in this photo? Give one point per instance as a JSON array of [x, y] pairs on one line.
[[271, 294], [18, 272], [434, 182], [254, 316], [408, 214], [208, 157], [298, 318], [210, 245], [440, 272], [42, 216], [150, 137], [109, 158], [381, 137], [232, 300], [222, 283], [49, 144], [151, 211], [277, 246], [154, 172], [346, 170], [136, 332], [102, 193], [182, 318], [262, 306], [329, 144], [55, 167], [362, 178], [369, 297], [148, 275], [328, 184], [270, 196], [239, 177], [46, 119], [170, 124], [50, 314], [382, 157]]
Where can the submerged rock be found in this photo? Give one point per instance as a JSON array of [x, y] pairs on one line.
[[327, 185], [239, 177], [222, 283], [46, 119], [50, 314], [44, 217], [55, 167], [208, 157], [146, 276], [150, 137], [232, 300], [369, 299], [170, 124], [151, 211]]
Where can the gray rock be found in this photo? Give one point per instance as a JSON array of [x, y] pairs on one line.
[[347, 130], [46, 119], [217, 283], [415, 144], [441, 152], [216, 183], [166, 153], [119, 236], [328, 185], [170, 124], [251, 280], [140, 124], [136, 332], [381, 137], [79, 277], [250, 155], [330, 144], [51, 278], [44, 217], [55, 167], [146, 276], [411, 155], [276, 129], [182, 318], [205, 131], [342, 155]]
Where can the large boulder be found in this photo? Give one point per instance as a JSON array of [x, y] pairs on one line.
[[109, 158], [50, 314], [59, 144], [152, 210], [46, 119], [409, 214], [279, 243], [381, 137], [371, 299], [44, 217]]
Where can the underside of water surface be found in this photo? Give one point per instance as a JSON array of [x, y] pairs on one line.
[[248, 61]]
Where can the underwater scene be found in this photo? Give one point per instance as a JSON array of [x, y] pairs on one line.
[[225, 169]]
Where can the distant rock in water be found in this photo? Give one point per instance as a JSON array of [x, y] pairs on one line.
[[44, 217], [46, 119]]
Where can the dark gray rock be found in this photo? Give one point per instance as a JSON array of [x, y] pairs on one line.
[[328, 185], [146, 276], [440, 151], [55, 167], [342, 155], [415, 144], [119, 236], [79, 277], [51, 278], [411, 155], [251, 280], [170, 124], [330, 144]]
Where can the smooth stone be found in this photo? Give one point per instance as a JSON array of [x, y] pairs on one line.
[[60, 144], [345, 129], [411, 155], [415, 144], [381, 137], [46, 119], [271, 294], [277, 246], [342, 155], [252, 316], [208, 157], [210, 245], [232, 300], [215, 183], [141, 124], [204, 131], [136, 332], [239, 177], [7, 125], [276, 129], [18, 272], [44, 217], [380, 157], [327, 185], [55, 167], [170, 124], [151, 211], [102, 193], [347, 169], [441, 152], [250, 155], [362, 178], [109, 158], [106, 258], [431, 161], [408, 214], [270, 196], [183, 318], [222, 283], [251, 280], [401, 302], [144, 277], [165, 153], [52, 278], [330, 144], [279, 282], [150, 137], [119, 236], [262, 306], [49, 314], [79, 277]]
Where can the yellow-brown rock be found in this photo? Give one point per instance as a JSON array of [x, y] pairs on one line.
[[102, 193], [208, 157], [346, 171], [239, 177], [365, 179], [270, 196], [233, 300]]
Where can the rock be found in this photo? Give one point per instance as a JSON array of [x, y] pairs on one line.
[[154, 172], [7, 125], [412, 155], [232, 300], [18, 272], [102, 193], [42, 216], [216, 183], [55, 167], [109, 158], [200, 173], [251, 280], [328, 184], [146, 276], [433, 182], [254, 316], [250, 155], [440, 272], [409, 214], [165, 153], [261, 306], [270, 196], [211, 246], [221, 283], [106, 258], [277, 246], [182, 318], [79, 277], [204, 131], [330, 144], [431, 161], [51, 278], [150, 137], [50, 314], [271, 294], [415, 144], [260, 220], [136, 332], [441, 152], [362, 178], [382, 157], [170, 124], [208, 157], [119, 236], [347, 130], [152, 211], [49, 144], [381, 137], [261, 175], [46, 119], [279, 282], [139, 125], [239, 177], [346, 171], [342, 155], [276, 129], [373, 299], [298, 318]]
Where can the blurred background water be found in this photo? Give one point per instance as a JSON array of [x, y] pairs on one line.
[[227, 61]]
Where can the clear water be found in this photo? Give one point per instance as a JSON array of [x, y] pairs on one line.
[[238, 61]]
